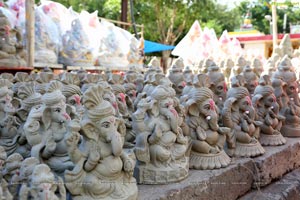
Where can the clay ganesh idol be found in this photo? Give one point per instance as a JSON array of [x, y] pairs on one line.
[[161, 148], [43, 185], [9, 124], [239, 115], [288, 98], [268, 109], [103, 170], [12, 53], [250, 79], [188, 78], [218, 85], [52, 128], [4, 192], [208, 138], [176, 77]]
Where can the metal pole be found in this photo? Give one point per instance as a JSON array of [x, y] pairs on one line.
[[124, 9], [274, 21], [133, 20], [30, 18], [284, 23]]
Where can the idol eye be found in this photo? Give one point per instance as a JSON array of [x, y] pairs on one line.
[[207, 107], [57, 110], [220, 88], [72, 102], [105, 124]]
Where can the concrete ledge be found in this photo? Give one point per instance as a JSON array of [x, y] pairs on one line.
[[287, 188], [231, 182], [226, 183], [276, 162]]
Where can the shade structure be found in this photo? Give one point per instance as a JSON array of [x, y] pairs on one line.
[[156, 47]]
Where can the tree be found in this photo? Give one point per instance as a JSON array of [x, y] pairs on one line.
[[164, 21], [263, 7], [167, 21], [214, 15]]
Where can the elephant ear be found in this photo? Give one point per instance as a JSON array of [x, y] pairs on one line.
[[16, 102], [193, 109], [22, 114], [234, 104], [32, 126], [89, 130], [71, 111], [154, 108], [121, 127], [46, 117], [129, 102], [183, 100], [257, 101]]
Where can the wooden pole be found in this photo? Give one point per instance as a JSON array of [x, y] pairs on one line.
[[30, 17], [124, 10], [274, 21], [122, 23]]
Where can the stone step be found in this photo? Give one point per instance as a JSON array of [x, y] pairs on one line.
[[276, 162], [287, 188], [232, 182]]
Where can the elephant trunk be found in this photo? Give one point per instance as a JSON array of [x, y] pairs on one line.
[[172, 115], [116, 143], [66, 116], [212, 120], [123, 108], [296, 99]]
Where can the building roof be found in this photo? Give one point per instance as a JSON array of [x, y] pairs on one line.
[[248, 38]]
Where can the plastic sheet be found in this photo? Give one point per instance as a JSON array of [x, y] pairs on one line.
[[60, 15], [10, 16], [114, 46], [81, 39], [17, 8], [75, 46], [47, 38], [91, 26], [182, 49]]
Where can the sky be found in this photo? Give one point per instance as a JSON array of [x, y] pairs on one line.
[[229, 3], [232, 3]]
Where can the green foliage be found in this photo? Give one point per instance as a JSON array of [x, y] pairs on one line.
[[263, 8], [163, 20], [187, 11], [112, 9]]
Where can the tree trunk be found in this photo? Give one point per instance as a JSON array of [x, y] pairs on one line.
[[165, 58]]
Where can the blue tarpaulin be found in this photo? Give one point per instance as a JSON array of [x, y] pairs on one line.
[[156, 47]]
